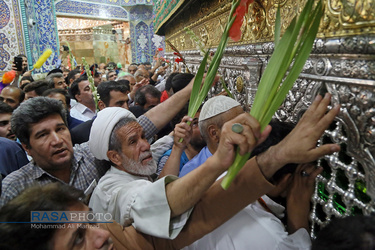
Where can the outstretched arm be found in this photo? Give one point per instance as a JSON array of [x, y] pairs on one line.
[[165, 111], [298, 147], [217, 205], [300, 144]]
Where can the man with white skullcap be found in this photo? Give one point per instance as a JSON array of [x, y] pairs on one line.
[[215, 112], [258, 225]]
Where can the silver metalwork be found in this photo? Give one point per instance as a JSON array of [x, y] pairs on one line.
[[344, 67]]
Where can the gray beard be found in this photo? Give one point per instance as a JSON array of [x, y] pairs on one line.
[[137, 168]]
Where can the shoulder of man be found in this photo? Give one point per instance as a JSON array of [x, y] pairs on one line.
[[81, 132], [91, 166], [194, 163], [16, 182]]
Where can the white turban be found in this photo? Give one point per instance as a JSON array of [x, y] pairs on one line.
[[102, 128], [217, 105]]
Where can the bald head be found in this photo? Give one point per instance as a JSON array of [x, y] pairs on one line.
[[12, 96]]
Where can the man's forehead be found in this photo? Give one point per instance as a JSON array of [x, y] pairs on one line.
[[58, 96], [115, 95], [50, 121], [66, 234], [58, 79], [5, 116], [132, 81], [116, 92], [131, 129], [83, 84]]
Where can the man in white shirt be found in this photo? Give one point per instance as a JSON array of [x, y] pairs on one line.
[[260, 225], [85, 108]]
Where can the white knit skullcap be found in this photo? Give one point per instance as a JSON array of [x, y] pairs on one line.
[[102, 128], [217, 105]]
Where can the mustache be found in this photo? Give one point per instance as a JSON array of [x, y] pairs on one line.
[[59, 150], [145, 155], [9, 134]]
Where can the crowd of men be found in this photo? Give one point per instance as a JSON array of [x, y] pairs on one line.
[[122, 155]]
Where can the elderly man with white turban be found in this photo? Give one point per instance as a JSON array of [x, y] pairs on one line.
[[126, 190]]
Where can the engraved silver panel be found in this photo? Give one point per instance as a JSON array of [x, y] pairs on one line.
[[345, 68]]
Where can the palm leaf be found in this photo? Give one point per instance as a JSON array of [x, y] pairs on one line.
[[277, 26], [195, 96], [296, 44], [303, 55]]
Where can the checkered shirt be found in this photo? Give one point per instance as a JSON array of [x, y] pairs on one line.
[[85, 169]]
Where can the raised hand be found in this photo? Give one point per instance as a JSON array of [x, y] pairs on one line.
[[300, 146], [247, 140], [299, 195], [184, 131]]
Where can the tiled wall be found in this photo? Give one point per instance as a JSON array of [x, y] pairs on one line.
[[144, 41], [17, 36], [11, 37], [42, 35]]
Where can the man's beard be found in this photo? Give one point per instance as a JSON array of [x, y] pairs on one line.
[[137, 168], [197, 143]]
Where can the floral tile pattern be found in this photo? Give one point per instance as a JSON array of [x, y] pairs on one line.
[[11, 37], [43, 35]]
